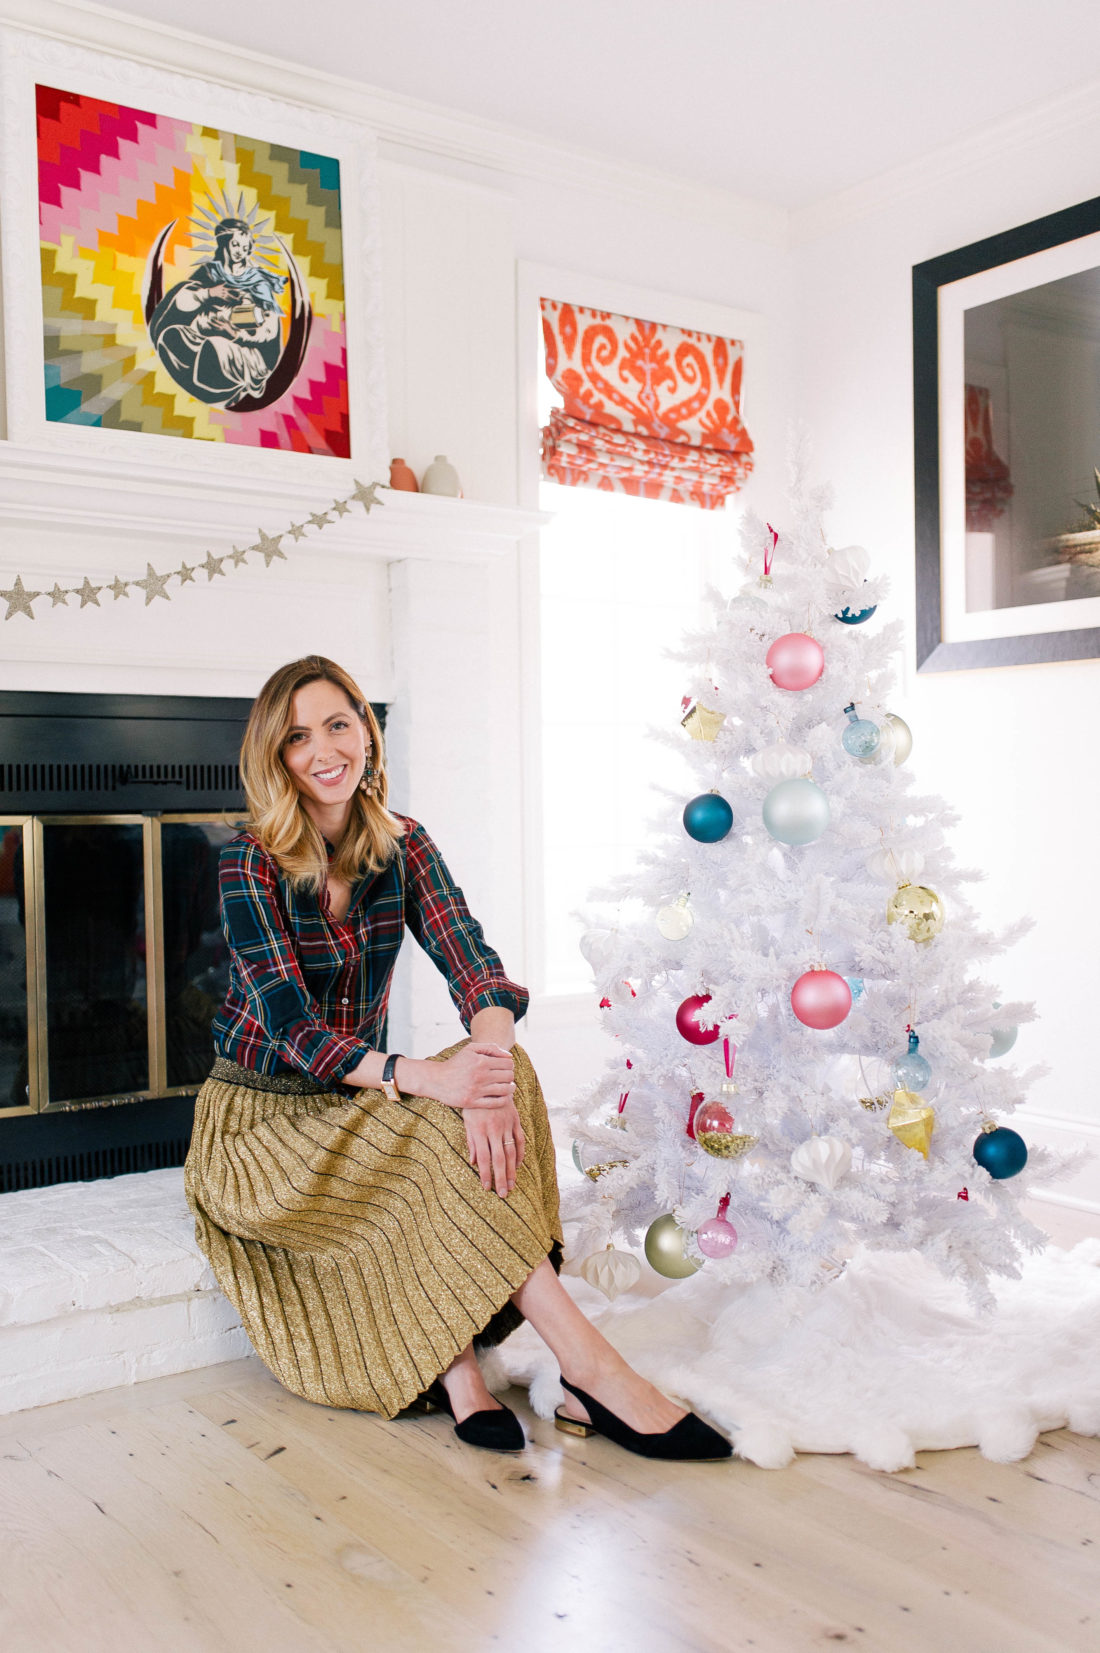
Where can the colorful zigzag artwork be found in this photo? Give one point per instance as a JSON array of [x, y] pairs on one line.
[[192, 280]]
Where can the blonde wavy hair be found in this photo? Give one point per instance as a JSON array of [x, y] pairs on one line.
[[276, 816]]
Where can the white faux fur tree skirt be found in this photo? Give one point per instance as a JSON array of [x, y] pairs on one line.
[[885, 1361]]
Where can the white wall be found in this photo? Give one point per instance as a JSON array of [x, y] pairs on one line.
[[1010, 749], [446, 639]]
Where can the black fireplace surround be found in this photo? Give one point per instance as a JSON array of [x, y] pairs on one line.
[[113, 809]]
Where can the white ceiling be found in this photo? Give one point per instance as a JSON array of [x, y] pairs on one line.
[[784, 100]]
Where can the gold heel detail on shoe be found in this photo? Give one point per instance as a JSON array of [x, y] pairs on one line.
[[572, 1426]]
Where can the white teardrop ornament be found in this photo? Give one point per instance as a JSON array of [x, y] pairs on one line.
[[600, 949], [823, 1159], [782, 762], [896, 866], [847, 567], [611, 1271]]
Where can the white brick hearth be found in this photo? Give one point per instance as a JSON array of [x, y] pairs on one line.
[[102, 1284]]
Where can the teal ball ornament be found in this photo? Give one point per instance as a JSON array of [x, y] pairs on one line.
[[707, 818], [1001, 1152], [857, 987], [796, 811], [912, 1071], [664, 1249], [848, 617]]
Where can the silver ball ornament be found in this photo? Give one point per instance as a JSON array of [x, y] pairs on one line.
[[664, 1249]]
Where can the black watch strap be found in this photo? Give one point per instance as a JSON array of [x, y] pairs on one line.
[[389, 1083]]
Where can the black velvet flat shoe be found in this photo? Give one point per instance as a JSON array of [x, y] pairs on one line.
[[497, 1430], [689, 1439]]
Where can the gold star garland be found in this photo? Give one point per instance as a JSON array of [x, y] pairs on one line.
[[269, 546]]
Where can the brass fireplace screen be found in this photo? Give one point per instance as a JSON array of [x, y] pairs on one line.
[[112, 962]]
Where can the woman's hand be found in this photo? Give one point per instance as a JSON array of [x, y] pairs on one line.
[[496, 1142], [477, 1076]]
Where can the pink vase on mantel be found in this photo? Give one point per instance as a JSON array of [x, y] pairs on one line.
[[403, 477]]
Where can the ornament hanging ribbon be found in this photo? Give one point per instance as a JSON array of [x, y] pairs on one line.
[[769, 552], [269, 546]]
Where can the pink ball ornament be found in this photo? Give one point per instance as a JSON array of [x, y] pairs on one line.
[[717, 1237], [687, 1021], [795, 661], [821, 999]]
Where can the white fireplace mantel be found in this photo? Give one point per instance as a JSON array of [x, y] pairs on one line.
[[117, 505]]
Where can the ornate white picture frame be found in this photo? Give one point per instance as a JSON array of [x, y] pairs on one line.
[[191, 272]]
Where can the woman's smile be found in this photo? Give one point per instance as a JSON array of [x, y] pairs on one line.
[[331, 777]]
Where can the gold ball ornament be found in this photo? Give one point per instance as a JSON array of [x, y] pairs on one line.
[[611, 1271], [919, 909], [903, 736], [912, 1121], [664, 1249], [675, 920]]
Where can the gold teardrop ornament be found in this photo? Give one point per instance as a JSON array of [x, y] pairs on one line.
[[701, 722], [912, 1121], [918, 908]]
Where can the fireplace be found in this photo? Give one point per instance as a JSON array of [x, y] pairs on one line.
[[112, 964]]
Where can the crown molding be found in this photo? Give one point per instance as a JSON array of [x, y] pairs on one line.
[[408, 129], [992, 144]]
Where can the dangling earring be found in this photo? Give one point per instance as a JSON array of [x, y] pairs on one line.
[[369, 782]]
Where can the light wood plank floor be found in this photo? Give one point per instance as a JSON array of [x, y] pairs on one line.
[[215, 1513]]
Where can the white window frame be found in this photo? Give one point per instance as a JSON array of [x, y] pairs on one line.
[[534, 281]]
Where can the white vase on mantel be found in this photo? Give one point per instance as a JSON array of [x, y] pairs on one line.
[[441, 478]]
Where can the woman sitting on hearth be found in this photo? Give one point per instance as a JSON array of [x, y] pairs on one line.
[[374, 1217]]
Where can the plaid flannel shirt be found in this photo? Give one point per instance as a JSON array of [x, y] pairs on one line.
[[308, 993]]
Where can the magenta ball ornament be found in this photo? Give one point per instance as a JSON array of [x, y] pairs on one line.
[[795, 661], [821, 999], [716, 1237], [687, 1021]]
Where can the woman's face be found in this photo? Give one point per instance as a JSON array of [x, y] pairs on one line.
[[325, 749]]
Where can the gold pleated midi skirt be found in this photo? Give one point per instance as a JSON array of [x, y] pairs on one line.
[[354, 1238]]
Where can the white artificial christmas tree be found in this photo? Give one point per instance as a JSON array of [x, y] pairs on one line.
[[818, 1145]]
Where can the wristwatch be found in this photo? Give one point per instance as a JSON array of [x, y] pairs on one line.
[[389, 1085]]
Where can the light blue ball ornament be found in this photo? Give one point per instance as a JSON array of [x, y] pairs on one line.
[[848, 618], [707, 818], [861, 737], [796, 811], [911, 1071], [1002, 1039], [1001, 1152], [857, 987]]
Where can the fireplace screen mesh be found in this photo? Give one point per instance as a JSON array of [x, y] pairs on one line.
[[196, 960], [14, 1092], [97, 1016], [112, 962]]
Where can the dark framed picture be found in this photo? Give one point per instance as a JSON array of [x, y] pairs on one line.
[[1006, 404]]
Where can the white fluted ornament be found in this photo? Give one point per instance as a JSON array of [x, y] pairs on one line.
[[822, 1159], [611, 1271], [781, 762]]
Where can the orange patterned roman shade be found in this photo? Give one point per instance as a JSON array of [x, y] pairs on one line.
[[648, 409]]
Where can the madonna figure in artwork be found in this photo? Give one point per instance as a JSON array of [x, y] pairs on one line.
[[375, 1217], [219, 333]]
